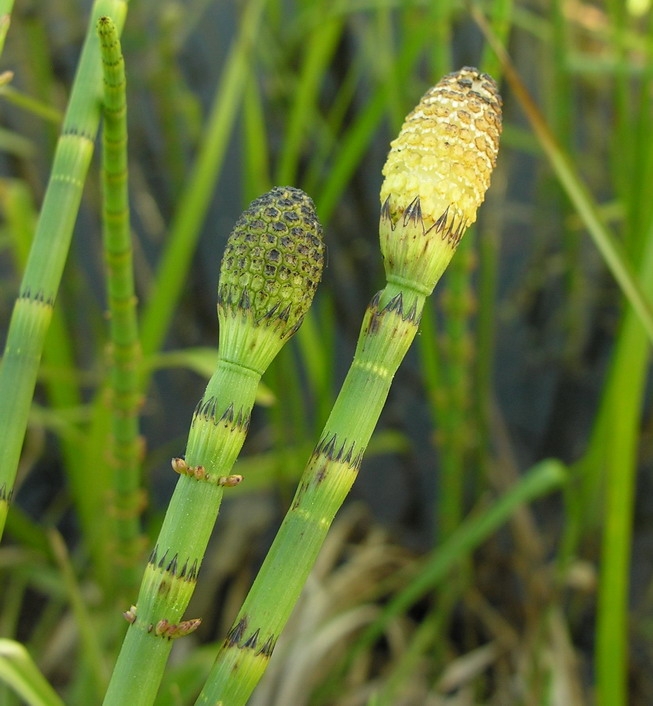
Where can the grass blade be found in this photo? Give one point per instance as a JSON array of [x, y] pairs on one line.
[[17, 669]]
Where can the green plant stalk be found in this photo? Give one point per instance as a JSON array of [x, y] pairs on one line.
[[455, 421], [21, 218], [125, 353], [617, 435], [32, 312], [6, 7], [216, 436], [388, 329], [488, 270], [422, 220], [613, 452], [612, 653], [268, 277]]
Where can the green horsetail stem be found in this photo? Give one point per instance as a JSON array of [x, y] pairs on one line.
[[30, 318], [436, 176], [125, 353], [270, 271]]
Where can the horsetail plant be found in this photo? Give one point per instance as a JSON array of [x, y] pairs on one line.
[[268, 277], [436, 176], [32, 311], [124, 389]]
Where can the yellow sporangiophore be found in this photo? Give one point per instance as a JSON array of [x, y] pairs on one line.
[[436, 175]]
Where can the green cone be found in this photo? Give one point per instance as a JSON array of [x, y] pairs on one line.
[[270, 271]]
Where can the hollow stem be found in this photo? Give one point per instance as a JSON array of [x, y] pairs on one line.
[[32, 311], [125, 352]]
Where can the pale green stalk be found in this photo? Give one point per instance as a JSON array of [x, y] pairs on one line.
[[6, 7], [432, 190], [21, 217], [33, 309], [389, 327], [125, 353], [268, 277], [172, 270]]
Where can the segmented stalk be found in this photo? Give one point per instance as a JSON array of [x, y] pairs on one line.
[[269, 273], [436, 176], [125, 449], [32, 311], [455, 421]]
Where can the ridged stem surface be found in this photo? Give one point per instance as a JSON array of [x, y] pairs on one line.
[[269, 273], [32, 311], [436, 176], [125, 353], [389, 326], [216, 436]]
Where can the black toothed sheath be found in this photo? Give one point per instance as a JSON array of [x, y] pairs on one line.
[[269, 273], [436, 176]]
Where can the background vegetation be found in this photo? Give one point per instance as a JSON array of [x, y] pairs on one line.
[[433, 588]]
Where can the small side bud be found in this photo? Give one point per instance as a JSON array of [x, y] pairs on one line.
[[436, 175], [270, 271]]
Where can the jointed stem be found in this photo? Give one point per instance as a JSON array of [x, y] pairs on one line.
[[125, 347], [389, 326], [437, 173], [269, 274], [217, 433], [33, 309]]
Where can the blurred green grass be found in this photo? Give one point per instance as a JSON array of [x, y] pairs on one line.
[[528, 352]]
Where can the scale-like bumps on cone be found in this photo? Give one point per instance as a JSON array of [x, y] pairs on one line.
[[271, 267], [437, 173]]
